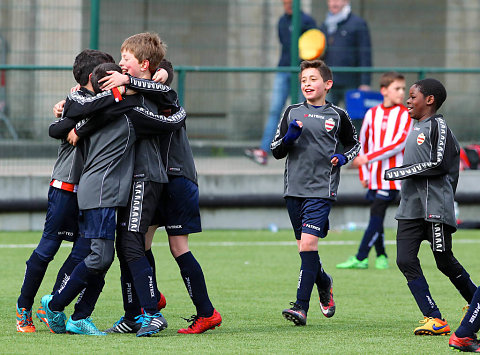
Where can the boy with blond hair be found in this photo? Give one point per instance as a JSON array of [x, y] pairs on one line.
[[179, 207]]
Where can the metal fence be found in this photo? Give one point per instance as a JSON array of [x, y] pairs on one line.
[[225, 53]]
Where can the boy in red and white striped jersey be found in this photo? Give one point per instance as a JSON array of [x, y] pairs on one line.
[[383, 134]]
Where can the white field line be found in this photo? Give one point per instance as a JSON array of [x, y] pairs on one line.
[[247, 244]]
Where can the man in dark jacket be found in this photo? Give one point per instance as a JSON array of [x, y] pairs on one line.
[[348, 45]]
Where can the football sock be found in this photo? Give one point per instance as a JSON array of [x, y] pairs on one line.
[[425, 302], [77, 282], [373, 231], [143, 281], [89, 296], [131, 304], [380, 244], [80, 250], [471, 322], [151, 261], [34, 273], [464, 285], [194, 280], [322, 280], [307, 277]]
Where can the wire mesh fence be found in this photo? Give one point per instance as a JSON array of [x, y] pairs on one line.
[[227, 108]]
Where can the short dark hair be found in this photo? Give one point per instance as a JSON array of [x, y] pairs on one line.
[[432, 87], [389, 77], [318, 64], [100, 71], [85, 61]]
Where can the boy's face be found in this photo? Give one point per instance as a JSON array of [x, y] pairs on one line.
[[419, 107], [394, 94], [131, 65], [313, 87]]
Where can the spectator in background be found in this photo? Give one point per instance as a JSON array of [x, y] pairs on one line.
[[348, 45], [281, 85]]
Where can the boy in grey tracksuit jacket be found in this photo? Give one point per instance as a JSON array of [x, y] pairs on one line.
[[106, 180], [310, 135], [426, 212]]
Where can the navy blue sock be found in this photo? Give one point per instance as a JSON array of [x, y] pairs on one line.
[[194, 280], [471, 322], [80, 250], [375, 227], [88, 298], [425, 302], [131, 304], [151, 261], [380, 244], [323, 279], [464, 285], [64, 273], [307, 277], [34, 273], [143, 281], [77, 282]]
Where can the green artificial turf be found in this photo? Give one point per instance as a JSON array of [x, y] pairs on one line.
[[251, 277]]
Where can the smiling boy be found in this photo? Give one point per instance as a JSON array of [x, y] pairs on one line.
[[426, 212], [309, 135]]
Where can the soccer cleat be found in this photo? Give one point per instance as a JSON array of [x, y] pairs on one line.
[[327, 304], [162, 303], [124, 325], [55, 321], [354, 263], [464, 344], [202, 324], [83, 326], [24, 321], [381, 262], [432, 326], [259, 156], [295, 314], [152, 324]]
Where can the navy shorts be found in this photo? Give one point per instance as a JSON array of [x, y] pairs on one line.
[[309, 215], [180, 211], [143, 204], [99, 223], [61, 221]]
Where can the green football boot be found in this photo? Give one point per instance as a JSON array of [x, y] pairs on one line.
[[354, 263], [381, 262]]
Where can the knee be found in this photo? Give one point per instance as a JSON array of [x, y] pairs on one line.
[[47, 248], [404, 263], [101, 255], [447, 264]]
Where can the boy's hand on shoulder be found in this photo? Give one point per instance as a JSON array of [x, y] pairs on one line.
[[294, 131], [160, 76], [338, 160], [75, 88], [113, 80], [58, 108]]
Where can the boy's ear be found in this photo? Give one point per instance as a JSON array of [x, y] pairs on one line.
[[430, 99], [328, 84], [383, 91], [145, 65]]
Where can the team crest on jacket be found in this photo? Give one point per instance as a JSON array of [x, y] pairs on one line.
[[329, 124], [420, 138]]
